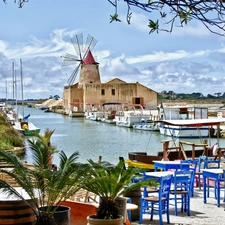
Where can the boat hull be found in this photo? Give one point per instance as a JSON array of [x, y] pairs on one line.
[[149, 126], [183, 131]]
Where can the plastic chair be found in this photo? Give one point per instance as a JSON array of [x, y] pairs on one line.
[[200, 166], [158, 203], [182, 190], [193, 167]]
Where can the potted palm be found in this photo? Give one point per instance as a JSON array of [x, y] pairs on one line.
[[110, 182], [46, 189]]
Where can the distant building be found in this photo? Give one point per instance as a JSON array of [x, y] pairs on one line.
[[89, 89], [115, 90]]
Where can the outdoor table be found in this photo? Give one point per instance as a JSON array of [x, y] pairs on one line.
[[217, 174], [166, 165]]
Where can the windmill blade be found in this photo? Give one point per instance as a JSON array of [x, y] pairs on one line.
[[77, 42], [69, 59], [90, 44], [73, 76]]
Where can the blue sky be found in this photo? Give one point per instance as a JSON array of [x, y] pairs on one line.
[[191, 59]]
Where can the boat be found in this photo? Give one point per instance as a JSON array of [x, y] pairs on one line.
[[129, 114], [109, 109], [94, 112], [76, 109], [49, 109], [22, 125], [148, 125], [26, 128], [203, 148], [142, 160], [184, 114]]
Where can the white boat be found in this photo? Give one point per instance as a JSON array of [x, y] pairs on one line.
[[26, 128], [148, 125], [195, 128], [129, 114], [21, 124], [109, 109], [185, 114], [96, 116], [76, 109], [94, 112]]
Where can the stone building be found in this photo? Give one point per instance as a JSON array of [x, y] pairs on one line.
[[115, 90], [89, 90]]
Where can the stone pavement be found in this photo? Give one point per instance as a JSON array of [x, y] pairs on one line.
[[201, 213]]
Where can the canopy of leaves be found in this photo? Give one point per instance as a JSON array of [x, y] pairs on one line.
[[177, 13]]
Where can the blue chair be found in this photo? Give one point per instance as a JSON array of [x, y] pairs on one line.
[[193, 167], [212, 164], [200, 166], [182, 190], [158, 203]]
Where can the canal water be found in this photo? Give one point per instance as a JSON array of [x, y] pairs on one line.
[[93, 139]]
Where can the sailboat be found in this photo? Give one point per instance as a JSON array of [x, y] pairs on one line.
[[23, 125]]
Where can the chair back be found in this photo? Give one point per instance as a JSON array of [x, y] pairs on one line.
[[183, 180], [165, 185], [202, 162], [212, 164], [191, 162]]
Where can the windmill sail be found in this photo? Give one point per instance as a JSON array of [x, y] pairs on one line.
[[83, 55]]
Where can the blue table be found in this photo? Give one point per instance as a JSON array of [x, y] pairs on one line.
[[166, 165], [216, 174]]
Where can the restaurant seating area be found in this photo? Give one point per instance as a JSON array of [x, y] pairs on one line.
[[188, 177]]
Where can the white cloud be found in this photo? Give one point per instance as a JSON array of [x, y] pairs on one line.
[[178, 70]]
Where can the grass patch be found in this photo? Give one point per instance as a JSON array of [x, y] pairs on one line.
[[9, 137]]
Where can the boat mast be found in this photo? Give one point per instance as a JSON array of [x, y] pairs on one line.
[[21, 74], [13, 79]]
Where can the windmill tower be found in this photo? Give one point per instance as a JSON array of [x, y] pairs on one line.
[[83, 59]]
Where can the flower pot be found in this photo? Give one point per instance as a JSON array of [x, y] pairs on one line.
[[61, 215], [122, 202], [92, 220]]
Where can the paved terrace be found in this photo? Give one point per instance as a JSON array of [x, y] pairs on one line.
[[201, 213]]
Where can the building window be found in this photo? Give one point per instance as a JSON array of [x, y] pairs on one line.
[[103, 91], [113, 92]]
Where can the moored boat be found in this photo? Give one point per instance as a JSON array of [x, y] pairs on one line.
[[148, 125], [26, 128], [129, 114], [184, 114]]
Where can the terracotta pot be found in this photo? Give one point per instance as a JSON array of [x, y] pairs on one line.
[[92, 220]]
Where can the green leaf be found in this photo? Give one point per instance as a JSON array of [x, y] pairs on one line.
[[154, 26], [114, 18]]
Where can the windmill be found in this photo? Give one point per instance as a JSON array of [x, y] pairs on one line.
[[83, 58]]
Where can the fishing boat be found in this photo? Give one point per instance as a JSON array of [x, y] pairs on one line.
[[148, 125], [184, 114], [26, 128], [94, 112], [203, 148], [109, 109], [129, 114], [142, 160], [22, 125], [76, 109]]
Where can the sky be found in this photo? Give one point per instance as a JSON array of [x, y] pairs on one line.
[[190, 59]]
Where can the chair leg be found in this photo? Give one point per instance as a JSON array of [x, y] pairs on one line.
[[167, 212], [141, 211], [152, 210], [160, 214]]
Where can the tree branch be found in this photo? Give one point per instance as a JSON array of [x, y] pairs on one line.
[[211, 13]]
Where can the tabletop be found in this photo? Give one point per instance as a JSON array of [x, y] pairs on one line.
[[213, 171], [168, 162]]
